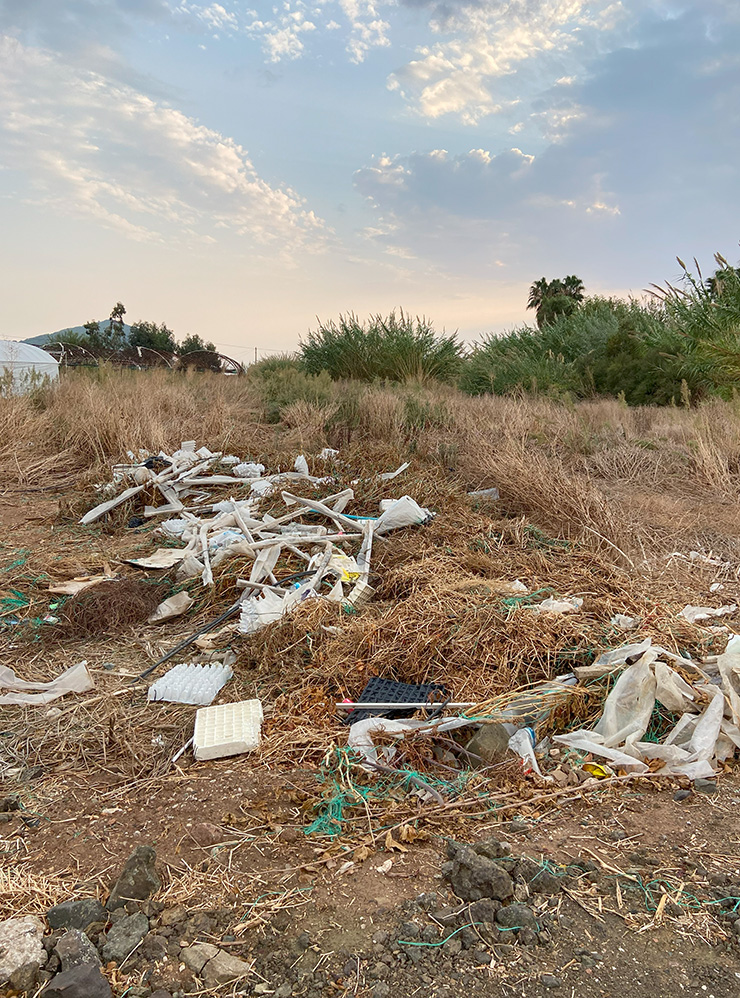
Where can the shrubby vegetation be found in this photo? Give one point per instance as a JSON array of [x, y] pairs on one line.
[[680, 344], [397, 348]]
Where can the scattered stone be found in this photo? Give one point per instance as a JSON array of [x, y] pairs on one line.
[[706, 786], [482, 911], [409, 930], [617, 835], [224, 968], [197, 956], [172, 916], [84, 981], [74, 949], [381, 990], [138, 879], [161, 993], [527, 936], [381, 937], [516, 916], [124, 937], [20, 944], [681, 795], [206, 834], [550, 981], [379, 972], [284, 991], [516, 825], [5, 817], [76, 914], [24, 978], [481, 957], [490, 744], [491, 848], [154, 947], [474, 877], [9, 804], [539, 879]]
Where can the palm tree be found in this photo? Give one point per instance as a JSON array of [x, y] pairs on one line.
[[556, 297], [573, 287]]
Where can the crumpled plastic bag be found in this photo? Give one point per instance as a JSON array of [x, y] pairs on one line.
[[694, 746], [628, 707], [361, 732], [258, 611], [694, 614], [551, 605], [404, 512]]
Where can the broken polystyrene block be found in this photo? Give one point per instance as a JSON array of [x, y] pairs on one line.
[[227, 729], [249, 469], [191, 683], [360, 594]]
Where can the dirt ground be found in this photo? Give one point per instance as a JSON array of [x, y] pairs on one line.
[[648, 896]]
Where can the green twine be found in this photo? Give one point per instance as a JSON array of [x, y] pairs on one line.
[[18, 563], [528, 599], [342, 793], [15, 602], [411, 942]]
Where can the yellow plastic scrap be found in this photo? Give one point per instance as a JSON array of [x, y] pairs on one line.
[[600, 772]]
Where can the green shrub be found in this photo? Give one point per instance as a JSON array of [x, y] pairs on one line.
[[269, 365], [282, 386], [396, 348], [604, 347]]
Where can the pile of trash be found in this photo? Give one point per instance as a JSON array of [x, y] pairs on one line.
[[212, 531], [417, 731]]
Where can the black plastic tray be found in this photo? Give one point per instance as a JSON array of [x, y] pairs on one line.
[[388, 691]]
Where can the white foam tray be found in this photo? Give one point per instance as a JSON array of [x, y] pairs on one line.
[[227, 729]]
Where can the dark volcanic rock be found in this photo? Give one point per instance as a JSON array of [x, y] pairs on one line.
[[138, 879], [124, 936], [474, 877], [85, 981], [74, 949], [76, 914]]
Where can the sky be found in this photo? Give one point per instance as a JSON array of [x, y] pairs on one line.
[[238, 169]]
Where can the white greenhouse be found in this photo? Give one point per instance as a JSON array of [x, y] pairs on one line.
[[24, 366]]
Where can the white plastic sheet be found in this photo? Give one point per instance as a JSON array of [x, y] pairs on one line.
[[701, 738], [695, 614], [76, 679]]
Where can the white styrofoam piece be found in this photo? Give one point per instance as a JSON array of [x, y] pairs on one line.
[[191, 683], [249, 469], [227, 729]]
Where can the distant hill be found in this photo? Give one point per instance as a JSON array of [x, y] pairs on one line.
[[39, 341]]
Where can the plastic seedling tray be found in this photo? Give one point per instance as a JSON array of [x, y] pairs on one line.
[[227, 729], [388, 691]]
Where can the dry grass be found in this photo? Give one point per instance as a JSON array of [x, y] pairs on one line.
[[593, 498]]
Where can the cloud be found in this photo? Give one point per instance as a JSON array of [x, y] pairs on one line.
[[476, 69], [283, 35], [631, 151], [95, 148]]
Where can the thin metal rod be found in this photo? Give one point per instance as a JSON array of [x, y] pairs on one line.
[[402, 706]]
